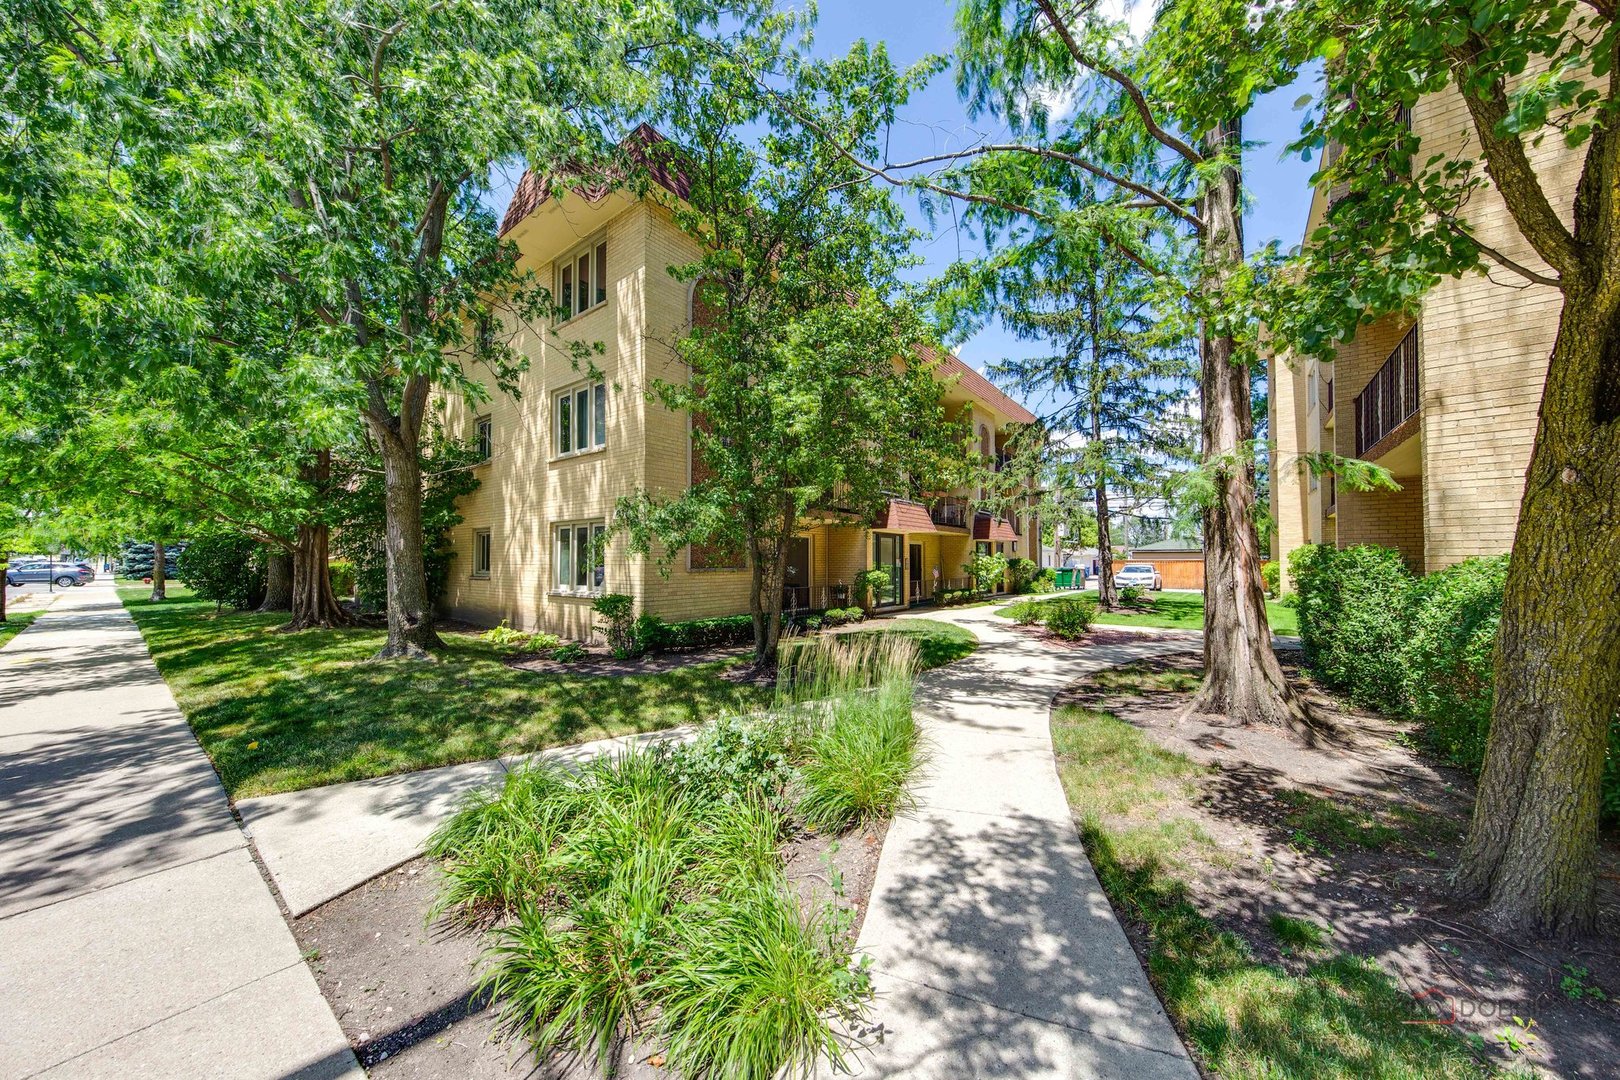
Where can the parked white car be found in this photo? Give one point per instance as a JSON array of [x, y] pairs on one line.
[[1139, 574]]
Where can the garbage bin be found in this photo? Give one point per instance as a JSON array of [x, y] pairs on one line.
[[1065, 578]]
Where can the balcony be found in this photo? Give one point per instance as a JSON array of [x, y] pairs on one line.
[[1391, 398], [950, 511]]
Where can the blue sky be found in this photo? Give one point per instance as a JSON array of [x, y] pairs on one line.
[[937, 120]]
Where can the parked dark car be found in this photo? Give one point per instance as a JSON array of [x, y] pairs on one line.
[[23, 571]]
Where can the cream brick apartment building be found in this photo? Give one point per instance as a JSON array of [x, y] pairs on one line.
[[562, 452], [1446, 401]]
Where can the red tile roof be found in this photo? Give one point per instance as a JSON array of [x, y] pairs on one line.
[[980, 387], [532, 190], [903, 516], [986, 527]]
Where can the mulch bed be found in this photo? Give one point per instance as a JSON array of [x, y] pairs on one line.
[[1389, 902], [601, 663], [405, 993]]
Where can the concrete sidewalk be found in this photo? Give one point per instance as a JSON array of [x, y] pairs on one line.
[[321, 842], [996, 953], [137, 937]]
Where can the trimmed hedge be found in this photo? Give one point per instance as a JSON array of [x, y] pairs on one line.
[[1354, 612], [695, 633], [1414, 647]]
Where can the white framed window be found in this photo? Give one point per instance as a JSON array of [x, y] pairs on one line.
[[582, 279], [577, 558], [485, 430], [480, 553], [579, 419]]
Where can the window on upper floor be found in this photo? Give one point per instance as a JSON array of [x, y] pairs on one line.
[[484, 431], [582, 279], [579, 419]]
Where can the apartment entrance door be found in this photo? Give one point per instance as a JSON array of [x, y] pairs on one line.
[[886, 557], [914, 568]]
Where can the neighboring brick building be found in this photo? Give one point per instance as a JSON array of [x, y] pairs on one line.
[[563, 452], [1446, 402]]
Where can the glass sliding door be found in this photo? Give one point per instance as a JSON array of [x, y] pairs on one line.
[[886, 557]]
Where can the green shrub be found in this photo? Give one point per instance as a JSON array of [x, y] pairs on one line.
[[871, 584], [1354, 617], [651, 633], [225, 567], [1026, 613], [1131, 595], [709, 633], [1023, 573], [1451, 634], [737, 757], [344, 578], [841, 616], [571, 652], [1045, 581], [1070, 617], [812, 622], [520, 640], [987, 571], [953, 597], [1271, 576], [618, 609]]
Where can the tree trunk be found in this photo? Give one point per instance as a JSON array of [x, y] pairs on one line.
[[410, 615], [1242, 679], [1531, 850], [159, 578], [1107, 592], [5, 562], [769, 570], [278, 584], [313, 604]]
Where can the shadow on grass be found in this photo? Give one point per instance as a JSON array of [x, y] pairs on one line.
[[1342, 1017], [278, 712]]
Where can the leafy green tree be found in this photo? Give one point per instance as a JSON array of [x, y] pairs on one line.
[[1527, 74], [1118, 374], [804, 346], [225, 567], [1157, 128]]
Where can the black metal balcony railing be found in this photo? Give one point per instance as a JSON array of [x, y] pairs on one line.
[[1391, 398]]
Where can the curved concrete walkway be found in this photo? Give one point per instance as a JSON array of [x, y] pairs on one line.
[[995, 951], [137, 937]]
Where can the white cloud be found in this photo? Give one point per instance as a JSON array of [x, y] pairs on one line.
[[1137, 14]]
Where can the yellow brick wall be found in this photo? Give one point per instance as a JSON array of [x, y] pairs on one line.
[[1484, 340], [526, 489], [1485, 344]]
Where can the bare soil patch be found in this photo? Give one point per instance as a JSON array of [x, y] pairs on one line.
[[1357, 836], [405, 993]]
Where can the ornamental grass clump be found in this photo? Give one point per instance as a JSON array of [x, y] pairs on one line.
[[861, 746]]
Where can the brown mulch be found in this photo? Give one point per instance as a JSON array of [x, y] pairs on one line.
[[1391, 901], [406, 996]]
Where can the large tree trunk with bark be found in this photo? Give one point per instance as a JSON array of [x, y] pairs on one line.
[[1531, 854], [1242, 679], [5, 562], [159, 577], [410, 615], [313, 604], [278, 581]]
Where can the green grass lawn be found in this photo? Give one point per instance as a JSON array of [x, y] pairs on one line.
[[15, 624], [1180, 611], [1339, 1015], [938, 642], [279, 712]]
